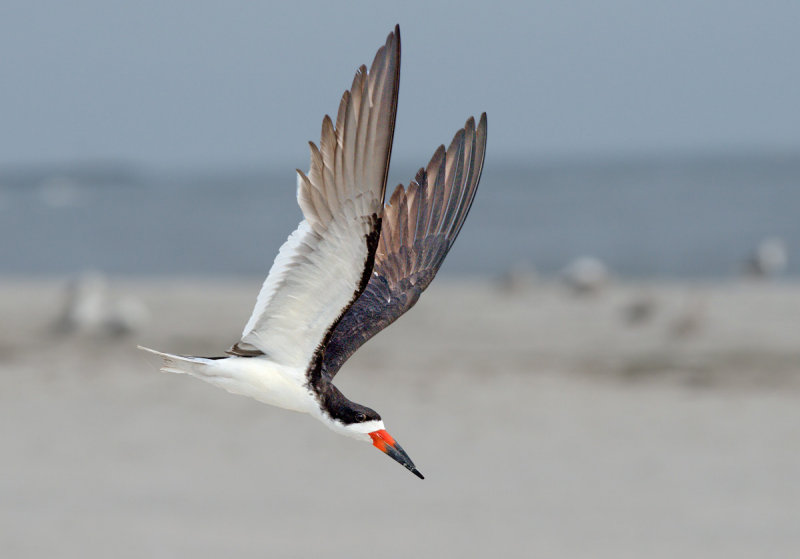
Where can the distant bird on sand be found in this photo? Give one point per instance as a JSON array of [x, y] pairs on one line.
[[768, 259], [353, 265], [586, 275], [90, 309]]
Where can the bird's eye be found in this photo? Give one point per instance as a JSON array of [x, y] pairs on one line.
[[361, 417]]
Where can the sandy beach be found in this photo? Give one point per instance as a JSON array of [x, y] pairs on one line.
[[646, 420]]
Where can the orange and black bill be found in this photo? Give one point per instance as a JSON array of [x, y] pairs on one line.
[[384, 442]]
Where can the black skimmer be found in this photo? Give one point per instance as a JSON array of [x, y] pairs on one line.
[[353, 265]]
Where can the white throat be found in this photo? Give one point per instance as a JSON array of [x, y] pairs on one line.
[[358, 431]]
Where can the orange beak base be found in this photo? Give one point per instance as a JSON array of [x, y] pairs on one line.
[[384, 442]]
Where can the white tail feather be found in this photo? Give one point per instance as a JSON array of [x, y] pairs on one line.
[[178, 364], [255, 377]]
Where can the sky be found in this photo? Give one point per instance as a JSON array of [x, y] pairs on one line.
[[224, 84]]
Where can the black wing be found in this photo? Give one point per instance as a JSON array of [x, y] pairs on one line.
[[420, 224]]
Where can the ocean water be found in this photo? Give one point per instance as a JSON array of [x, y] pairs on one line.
[[685, 217]]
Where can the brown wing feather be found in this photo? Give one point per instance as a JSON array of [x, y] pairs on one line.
[[326, 263], [420, 225]]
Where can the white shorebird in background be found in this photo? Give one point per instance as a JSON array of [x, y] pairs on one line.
[[769, 259], [353, 265], [586, 275], [90, 308]]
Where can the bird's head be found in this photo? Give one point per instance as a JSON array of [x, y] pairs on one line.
[[365, 424]]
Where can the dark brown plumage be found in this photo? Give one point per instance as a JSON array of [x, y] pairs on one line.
[[420, 224]]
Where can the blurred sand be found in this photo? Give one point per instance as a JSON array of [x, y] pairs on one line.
[[649, 420]]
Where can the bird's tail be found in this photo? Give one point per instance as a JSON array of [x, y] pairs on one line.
[[179, 364]]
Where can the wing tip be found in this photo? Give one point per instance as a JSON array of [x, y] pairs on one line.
[[394, 36], [482, 124]]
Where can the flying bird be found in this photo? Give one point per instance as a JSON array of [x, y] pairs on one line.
[[353, 265]]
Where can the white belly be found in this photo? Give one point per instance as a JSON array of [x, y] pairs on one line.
[[263, 380]]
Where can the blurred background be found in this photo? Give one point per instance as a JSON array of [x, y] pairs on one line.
[[607, 365]]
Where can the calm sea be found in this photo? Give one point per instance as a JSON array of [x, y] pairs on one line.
[[675, 217]]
